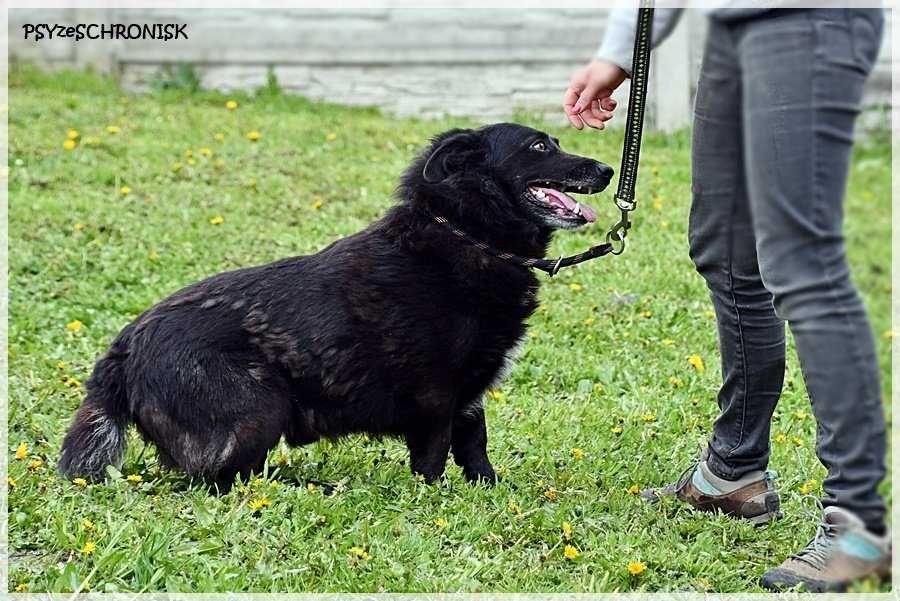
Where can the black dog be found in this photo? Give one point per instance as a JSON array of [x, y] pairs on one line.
[[398, 329]]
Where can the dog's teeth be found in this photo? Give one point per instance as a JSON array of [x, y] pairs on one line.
[[578, 208]]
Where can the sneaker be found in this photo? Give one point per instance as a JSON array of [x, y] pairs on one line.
[[842, 552], [752, 498]]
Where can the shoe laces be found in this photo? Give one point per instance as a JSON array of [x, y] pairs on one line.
[[818, 551]]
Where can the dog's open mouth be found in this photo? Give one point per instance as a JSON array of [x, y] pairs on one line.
[[553, 197]]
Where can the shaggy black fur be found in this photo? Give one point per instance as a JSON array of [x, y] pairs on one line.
[[396, 330]]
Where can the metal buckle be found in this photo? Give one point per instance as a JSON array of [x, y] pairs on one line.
[[556, 267]]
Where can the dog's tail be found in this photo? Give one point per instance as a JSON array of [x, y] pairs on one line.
[[96, 437]]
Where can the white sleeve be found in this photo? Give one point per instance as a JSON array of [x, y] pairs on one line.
[[618, 41]]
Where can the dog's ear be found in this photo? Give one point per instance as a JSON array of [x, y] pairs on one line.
[[451, 155]]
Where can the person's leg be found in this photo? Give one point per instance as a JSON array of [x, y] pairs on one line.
[[803, 76], [723, 248]]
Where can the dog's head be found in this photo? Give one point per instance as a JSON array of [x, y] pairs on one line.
[[506, 175]]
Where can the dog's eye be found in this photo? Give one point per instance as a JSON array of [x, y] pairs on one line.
[[539, 146]]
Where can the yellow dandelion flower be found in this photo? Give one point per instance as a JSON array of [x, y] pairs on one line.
[[282, 460], [257, 482], [21, 451], [191, 161], [648, 417], [797, 441], [260, 503], [317, 204], [710, 313], [514, 508], [219, 164], [617, 429], [153, 256], [112, 129], [21, 587], [667, 342], [134, 478], [86, 524], [331, 136], [359, 553], [654, 170], [206, 152], [664, 224], [176, 166], [570, 552], [567, 530], [74, 326], [69, 145], [647, 314], [575, 287], [577, 453], [311, 487], [35, 464], [441, 523], [697, 362], [551, 494], [781, 438], [78, 226], [231, 105], [11, 482], [889, 334], [253, 136], [251, 183], [92, 141], [657, 203], [598, 387], [636, 568], [88, 548], [79, 482], [72, 382], [676, 382], [188, 153], [61, 365], [217, 220], [124, 190], [808, 486], [633, 489], [219, 137], [72, 134], [496, 395], [800, 414]]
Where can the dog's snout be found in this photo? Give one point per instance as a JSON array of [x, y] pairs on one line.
[[604, 171]]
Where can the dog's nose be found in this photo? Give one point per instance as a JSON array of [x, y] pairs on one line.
[[604, 171]]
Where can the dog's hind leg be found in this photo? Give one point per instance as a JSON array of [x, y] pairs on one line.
[[469, 444]]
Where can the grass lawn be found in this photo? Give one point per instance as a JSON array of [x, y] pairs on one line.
[[165, 189]]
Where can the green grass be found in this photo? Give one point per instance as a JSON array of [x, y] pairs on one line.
[[605, 368]]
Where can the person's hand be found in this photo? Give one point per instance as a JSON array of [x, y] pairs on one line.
[[588, 100]]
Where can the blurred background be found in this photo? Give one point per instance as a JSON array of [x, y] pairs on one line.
[[483, 63]]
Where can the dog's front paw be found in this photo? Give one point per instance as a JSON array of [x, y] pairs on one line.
[[485, 474]]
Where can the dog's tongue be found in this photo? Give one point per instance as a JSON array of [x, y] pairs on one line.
[[569, 203]]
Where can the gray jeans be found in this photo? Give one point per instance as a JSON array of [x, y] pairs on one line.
[[773, 130]]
